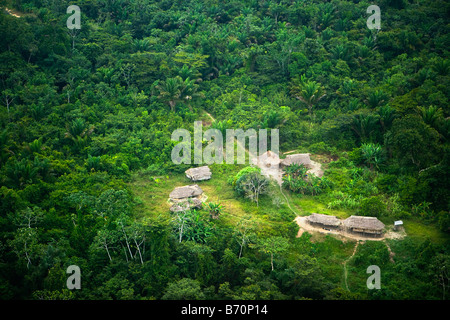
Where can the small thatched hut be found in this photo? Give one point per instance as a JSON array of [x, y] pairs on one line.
[[323, 221], [198, 174], [300, 158], [186, 204], [186, 192], [186, 197], [367, 226]]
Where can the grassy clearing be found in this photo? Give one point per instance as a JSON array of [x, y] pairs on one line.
[[304, 205], [274, 217], [153, 192], [417, 229]]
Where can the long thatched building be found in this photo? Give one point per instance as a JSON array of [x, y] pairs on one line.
[[323, 221], [299, 158], [367, 226]]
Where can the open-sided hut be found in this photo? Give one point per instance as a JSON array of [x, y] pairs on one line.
[[185, 198], [186, 192], [323, 221], [300, 158], [198, 174], [367, 226], [186, 204]]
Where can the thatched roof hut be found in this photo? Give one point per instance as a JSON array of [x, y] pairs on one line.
[[186, 204], [365, 225], [186, 192], [186, 198], [198, 174], [323, 220], [299, 158]]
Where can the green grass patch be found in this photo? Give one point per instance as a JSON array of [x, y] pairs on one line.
[[418, 229], [152, 193], [304, 205]]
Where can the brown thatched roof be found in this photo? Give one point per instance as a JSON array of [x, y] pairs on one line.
[[200, 173], [186, 204], [300, 158], [366, 223], [186, 192], [324, 219]]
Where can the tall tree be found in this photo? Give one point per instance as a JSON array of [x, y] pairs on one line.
[[255, 185], [273, 246], [243, 231]]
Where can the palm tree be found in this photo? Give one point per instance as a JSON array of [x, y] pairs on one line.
[[372, 154], [387, 116], [215, 210], [175, 90], [21, 172], [376, 98], [78, 132], [310, 93], [272, 119], [341, 52], [441, 66], [140, 45], [364, 126], [189, 72], [430, 115], [5, 152], [170, 91]]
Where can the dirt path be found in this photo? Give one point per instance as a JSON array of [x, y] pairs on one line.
[[10, 12], [210, 116], [345, 265], [391, 254]]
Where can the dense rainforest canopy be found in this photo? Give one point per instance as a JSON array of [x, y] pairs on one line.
[[86, 118]]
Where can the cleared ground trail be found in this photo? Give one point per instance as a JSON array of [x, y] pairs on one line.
[[345, 265]]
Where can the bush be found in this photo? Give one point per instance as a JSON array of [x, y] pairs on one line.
[[373, 207], [386, 182], [185, 288], [341, 163], [356, 156], [237, 180], [322, 148], [296, 179], [343, 200]]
